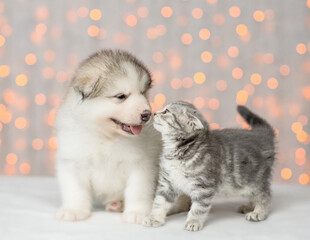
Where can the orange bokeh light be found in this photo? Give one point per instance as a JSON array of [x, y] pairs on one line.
[[42, 13], [272, 83], [11, 158], [30, 59], [9, 97], [242, 97], [219, 19], [48, 72], [93, 31], [204, 34], [268, 58], [176, 83], [24, 168], [304, 178], [213, 104], [199, 102], [222, 61], [237, 73], [52, 143], [241, 30], [4, 71], [197, 13], [186, 38], [256, 78], [187, 82], [234, 11], [40, 99], [95, 14], [159, 99], [21, 80], [199, 78], [286, 173], [37, 144], [306, 92], [206, 57], [49, 55], [296, 127], [284, 70], [166, 12], [259, 16], [82, 12], [21, 123], [2, 40], [233, 52], [142, 12], [131, 20], [301, 48], [221, 85]]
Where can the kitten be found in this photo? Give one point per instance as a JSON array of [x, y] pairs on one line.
[[201, 163]]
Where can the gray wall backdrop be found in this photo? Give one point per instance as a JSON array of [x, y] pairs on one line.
[[214, 53]]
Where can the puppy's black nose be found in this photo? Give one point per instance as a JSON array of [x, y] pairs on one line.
[[145, 116]]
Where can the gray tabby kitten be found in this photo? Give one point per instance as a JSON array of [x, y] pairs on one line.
[[201, 163]]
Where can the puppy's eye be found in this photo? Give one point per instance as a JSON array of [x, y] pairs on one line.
[[121, 96]]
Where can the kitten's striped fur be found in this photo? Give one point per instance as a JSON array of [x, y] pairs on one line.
[[201, 163]]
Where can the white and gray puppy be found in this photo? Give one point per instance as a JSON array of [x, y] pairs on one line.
[[201, 163], [106, 148]]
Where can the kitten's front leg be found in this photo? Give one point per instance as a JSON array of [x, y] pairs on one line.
[[201, 205], [165, 197]]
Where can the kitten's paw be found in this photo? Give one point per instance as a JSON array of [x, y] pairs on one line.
[[69, 214], [152, 222], [134, 216], [245, 208], [255, 216], [116, 206], [193, 226]]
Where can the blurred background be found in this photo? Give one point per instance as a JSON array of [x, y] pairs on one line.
[[213, 53]]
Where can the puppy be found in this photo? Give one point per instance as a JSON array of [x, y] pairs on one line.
[[107, 148]]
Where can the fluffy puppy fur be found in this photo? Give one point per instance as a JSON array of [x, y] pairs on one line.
[[107, 148]]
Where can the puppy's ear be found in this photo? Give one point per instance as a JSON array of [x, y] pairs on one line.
[[87, 87]]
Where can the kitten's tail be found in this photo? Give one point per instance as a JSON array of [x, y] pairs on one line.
[[253, 120]]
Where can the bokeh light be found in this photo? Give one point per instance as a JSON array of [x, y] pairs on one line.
[[206, 57], [197, 13], [166, 12], [286, 173], [204, 34], [30, 59], [259, 16], [199, 77], [241, 30], [186, 38], [21, 80], [237, 73], [95, 14], [256, 78], [234, 11]]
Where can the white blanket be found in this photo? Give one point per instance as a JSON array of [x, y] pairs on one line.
[[27, 207]]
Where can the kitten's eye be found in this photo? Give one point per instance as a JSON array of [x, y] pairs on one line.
[[121, 96], [164, 112]]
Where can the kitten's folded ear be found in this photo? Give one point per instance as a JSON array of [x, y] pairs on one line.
[[195, 123], [87, 87]]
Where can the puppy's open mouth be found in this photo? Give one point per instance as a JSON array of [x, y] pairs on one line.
[[130, 129]]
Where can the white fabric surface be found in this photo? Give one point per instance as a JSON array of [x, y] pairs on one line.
[[27, 206]]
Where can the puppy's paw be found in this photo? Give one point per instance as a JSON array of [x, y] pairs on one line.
[[116, 206], [134, 216], [255, 216], [193, 226], [152, 222], [69, 214]]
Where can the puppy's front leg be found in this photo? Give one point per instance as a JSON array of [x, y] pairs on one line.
[[76, 199], [139, 195]]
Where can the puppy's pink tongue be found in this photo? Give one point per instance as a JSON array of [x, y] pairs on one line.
[[136, 129]]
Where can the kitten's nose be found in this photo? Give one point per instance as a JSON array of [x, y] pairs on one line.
[[145, 116]]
